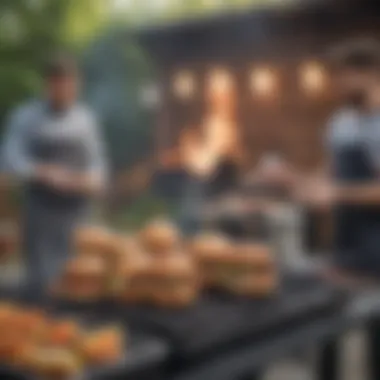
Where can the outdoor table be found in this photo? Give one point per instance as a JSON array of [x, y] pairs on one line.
[[363, 311], [250, 360], [224, 338]]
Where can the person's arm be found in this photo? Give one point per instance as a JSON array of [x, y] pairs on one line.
[[362, 194], [16, 159]]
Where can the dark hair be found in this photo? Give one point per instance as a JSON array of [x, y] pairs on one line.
[[360, 55], [60, 65]]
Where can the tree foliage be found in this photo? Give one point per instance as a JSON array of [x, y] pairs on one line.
[[29, 30], [144, 11], [115, 68]]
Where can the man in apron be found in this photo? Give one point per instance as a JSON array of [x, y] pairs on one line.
[[352, 186], [52, 146]]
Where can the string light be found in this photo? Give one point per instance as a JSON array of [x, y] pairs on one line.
[[219, 82], [312, 77], [263, 82]]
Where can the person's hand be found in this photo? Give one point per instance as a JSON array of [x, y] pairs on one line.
[[57, 177], [44, 173], [62, 179], [69, 181], [316, 193], [275, 171]]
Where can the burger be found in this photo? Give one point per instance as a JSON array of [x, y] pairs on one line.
[[209, 245], [53, 363], [166, 282], [126, 284], [247, 269], [93, 240], [102, 347], [209, 250], [63, 333], [84, 279], [125, 250], [30, 325], [7, 313], [159, 237]]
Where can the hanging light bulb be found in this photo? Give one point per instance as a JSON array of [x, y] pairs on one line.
[[312, 77], [263, 82], [184, 85], [219, 82]]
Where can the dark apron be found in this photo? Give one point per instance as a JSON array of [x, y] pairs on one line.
[[51, 216], [193, 201], [357, 233]]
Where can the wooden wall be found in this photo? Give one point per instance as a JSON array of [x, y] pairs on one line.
[[294, 122]]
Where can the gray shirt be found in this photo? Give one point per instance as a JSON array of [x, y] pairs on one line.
[[36, 122], [349, 127]]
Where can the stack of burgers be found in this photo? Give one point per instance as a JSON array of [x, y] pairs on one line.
[[86, 276], [162, 273], [244, 269], [34, 342], [157, 266]]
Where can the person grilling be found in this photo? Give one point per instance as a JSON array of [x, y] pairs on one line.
[[349, 183], [53, 147]]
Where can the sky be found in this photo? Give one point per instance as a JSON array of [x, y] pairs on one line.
[[153, 7]]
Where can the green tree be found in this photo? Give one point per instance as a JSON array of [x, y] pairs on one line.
[[29, 30], [116, 71]]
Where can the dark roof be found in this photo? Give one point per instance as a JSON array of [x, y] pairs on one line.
[[255, 30]]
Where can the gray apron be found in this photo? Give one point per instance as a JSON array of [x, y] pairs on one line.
[[51, 216]]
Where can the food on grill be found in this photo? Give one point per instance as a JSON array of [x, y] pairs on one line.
[[93, 240], [7, 312], [105, 346], [241, 269], [208, 249], [126, 249], [33, 342], [126, 274], [20, 354], [149, 267], [64, 333], [85, 278], [258, 256], [177, 283], [18, 329], [209, 245], [30, 325], [170, 281], [53, 363], [19, 325], [159, 237], [10, 344]]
